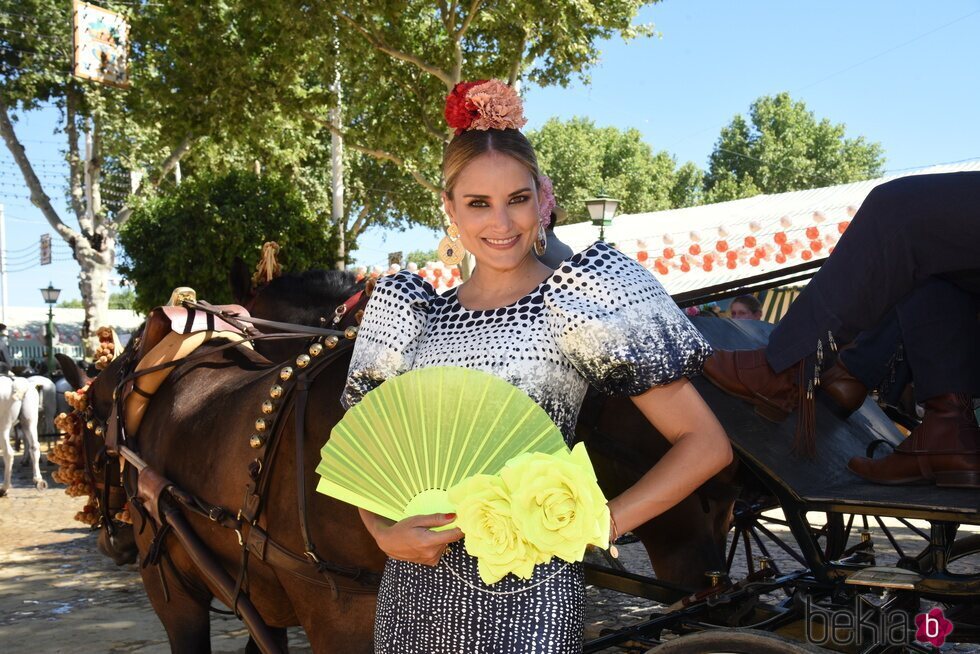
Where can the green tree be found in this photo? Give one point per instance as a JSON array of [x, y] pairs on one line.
[[583, 160], [421, 257], [781, 146], [191, 235], [415, 51], [125, 299]]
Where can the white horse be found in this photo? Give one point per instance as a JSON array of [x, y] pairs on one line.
[[49, 403], [19, 398]]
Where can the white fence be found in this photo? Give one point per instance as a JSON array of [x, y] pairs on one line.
[[21, 354]]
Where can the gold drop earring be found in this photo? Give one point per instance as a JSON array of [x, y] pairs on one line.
[[541, 242], [451, 251]]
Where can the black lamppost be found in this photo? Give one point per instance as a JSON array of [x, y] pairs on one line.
[[601, 210], [50, 295]]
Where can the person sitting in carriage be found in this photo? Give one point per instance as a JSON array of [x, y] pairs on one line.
[[912, 249]]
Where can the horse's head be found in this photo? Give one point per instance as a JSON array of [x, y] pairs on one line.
[[116, 539], [308, 298]]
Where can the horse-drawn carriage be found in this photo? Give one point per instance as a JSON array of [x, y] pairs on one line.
[[283, 555]]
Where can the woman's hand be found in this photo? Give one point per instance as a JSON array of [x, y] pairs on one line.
[[412, 539]]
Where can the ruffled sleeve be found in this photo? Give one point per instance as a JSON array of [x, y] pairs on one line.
[[394, 320], [617, 325]]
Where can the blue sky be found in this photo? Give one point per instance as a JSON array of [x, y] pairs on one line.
[[901, 73]]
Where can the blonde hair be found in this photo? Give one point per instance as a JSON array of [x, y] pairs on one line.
[[475, 142]]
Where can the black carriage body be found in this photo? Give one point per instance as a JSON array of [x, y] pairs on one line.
[[835, 574]]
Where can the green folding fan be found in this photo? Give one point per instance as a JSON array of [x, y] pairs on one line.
[[399, 450]]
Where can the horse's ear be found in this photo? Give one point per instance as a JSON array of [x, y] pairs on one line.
[[73, 374], [240, 279]]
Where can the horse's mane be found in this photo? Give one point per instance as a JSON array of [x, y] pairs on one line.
[[304, 297]]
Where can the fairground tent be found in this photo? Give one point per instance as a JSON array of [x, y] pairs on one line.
[[699, 247]]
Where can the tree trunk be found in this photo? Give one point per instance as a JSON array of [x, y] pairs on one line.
[[93, 283], [337, 168]]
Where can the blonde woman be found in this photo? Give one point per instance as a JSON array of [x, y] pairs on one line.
[[599, 318]]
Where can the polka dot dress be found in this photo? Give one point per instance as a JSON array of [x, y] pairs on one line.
[[600, 319]]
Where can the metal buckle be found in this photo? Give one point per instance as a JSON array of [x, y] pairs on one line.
[[313, 557]]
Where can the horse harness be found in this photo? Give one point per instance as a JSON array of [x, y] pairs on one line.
[[288, 395]]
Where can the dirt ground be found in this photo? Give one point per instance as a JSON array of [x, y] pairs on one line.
[[58, 594]]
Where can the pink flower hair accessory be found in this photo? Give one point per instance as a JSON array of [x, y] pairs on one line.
[[546, 200], [484, 104]]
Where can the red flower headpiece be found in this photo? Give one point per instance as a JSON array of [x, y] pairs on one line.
[[484, 104]]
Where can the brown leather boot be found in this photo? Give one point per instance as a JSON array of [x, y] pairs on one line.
[[843, 388], [746, 374], [944, 449]]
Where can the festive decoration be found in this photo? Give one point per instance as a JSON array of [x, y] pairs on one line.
[[540, 506], [483, 105], [546, 203]]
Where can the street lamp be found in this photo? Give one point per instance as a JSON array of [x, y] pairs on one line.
[[601, 210], [50, 295]]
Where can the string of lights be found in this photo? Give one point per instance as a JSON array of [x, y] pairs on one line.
[[10, 30]]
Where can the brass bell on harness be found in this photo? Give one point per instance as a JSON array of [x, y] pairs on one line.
[[275, 392], [303, 360], [268, 407], [256, 441], [316, 349], [286, 373], [98, 430], [260, 424], [351, 333], [90, 425], [331, 342]]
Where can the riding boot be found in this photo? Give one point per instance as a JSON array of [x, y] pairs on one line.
[[944, 449], [746, 374], [844, 389]]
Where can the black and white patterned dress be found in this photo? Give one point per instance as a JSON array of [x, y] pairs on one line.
[[601, 318]]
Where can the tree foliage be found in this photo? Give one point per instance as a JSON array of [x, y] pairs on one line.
[[191, 235], [583, 159], [781, 146]]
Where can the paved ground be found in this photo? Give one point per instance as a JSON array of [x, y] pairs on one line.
[[58, 594]]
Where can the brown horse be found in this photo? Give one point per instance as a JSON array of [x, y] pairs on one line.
[[196, 433]]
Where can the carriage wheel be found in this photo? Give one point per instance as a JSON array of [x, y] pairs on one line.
[[757, 536], [727, 641]]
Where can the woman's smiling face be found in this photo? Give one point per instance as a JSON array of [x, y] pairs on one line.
[[495, 207]]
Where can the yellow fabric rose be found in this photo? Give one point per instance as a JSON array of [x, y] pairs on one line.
[[483, 512], [556, 503]]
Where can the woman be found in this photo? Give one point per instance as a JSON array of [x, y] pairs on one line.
[[745, 307], [600, 318]]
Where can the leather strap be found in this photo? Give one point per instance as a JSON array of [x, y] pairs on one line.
[[348, 580]]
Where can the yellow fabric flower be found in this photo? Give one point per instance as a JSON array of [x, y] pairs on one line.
[[556, 503], [483, 512]]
